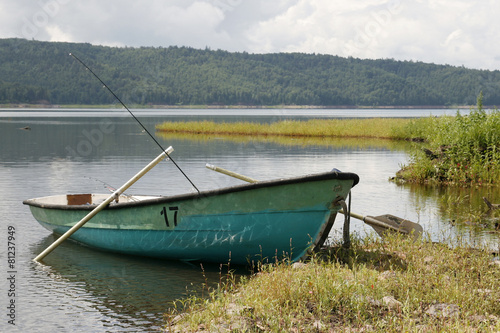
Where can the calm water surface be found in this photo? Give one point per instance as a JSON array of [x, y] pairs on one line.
[[76, 151]]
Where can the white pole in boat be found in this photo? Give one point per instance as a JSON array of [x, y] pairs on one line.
[[230, 173], [106, 202], [385, 221]]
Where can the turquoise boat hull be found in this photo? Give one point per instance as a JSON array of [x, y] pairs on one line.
[[263, 221]]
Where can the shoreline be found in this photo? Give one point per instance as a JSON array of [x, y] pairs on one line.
[[305, 107], [389, 284]]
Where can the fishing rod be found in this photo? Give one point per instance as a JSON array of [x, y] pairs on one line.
[[106, 185], [111, 188], [145, 129]]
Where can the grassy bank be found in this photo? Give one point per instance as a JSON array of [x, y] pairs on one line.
[[395, 285], [382, 128], [464, 149], [461, 149]]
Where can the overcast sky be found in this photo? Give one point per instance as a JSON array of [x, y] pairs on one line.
[[455, 32]]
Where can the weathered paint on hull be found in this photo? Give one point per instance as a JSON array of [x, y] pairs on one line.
[[241, 224]]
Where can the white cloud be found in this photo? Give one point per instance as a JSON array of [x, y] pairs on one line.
[[57, 35], [441, 31], [433, 31]]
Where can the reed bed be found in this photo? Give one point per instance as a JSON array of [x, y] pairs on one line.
[[460, 149], [293, 141], [390, 285], [381, 128], [464, 149]]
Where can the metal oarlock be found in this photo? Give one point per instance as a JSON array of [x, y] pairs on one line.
[[347, 222]]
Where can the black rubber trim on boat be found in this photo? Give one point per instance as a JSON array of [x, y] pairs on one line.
[[189, 196]]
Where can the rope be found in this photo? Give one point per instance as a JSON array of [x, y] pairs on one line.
[[347, 222]]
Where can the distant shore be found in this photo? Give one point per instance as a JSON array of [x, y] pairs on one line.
[[149, 106]]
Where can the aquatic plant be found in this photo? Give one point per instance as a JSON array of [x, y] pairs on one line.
[[464, 149], [381, 128], [460, 149]]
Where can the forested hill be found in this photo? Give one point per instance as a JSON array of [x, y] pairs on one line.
[[43, 72]]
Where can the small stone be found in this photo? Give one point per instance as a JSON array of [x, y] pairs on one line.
[[401, 255], [387, 275], [299, 265], [178, 318], [367, 328], [493, 318], [478, 318], [392, 303], [486, 292], [428, 260], [443, 310], [372, 301], [235, 309]]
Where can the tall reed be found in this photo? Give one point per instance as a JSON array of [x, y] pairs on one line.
[[347, 128], [460, 149], [464, 149]]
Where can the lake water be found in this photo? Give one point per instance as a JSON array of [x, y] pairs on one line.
[[76, 151]]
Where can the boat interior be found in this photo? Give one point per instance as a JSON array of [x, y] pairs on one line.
[[88, 199]]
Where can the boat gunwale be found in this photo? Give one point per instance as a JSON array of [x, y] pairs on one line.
[[332, 175]]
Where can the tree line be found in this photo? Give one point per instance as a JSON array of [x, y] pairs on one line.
[[43, 72]]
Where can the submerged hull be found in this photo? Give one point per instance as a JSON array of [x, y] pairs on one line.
[[261, 221]]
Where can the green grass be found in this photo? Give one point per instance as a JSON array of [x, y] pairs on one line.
[[464, 149], [293, 141], [460, 149], [378, 285], [381, 128]]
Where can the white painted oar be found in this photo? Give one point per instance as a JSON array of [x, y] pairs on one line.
[[380, 223], [106, 202]]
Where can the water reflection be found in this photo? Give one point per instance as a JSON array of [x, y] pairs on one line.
[[121, 291], [462, 208]]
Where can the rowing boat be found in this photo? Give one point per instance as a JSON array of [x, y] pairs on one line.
[[267, 220]]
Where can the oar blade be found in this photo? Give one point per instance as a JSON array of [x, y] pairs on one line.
[[398, 223]]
